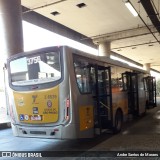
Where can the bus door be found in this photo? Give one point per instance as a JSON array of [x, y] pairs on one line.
[[150, 89], [102, 99], [130, 84]]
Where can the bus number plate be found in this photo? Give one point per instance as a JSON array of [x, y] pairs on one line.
[[36, 118]]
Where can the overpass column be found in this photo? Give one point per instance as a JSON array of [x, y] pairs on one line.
[[146, 66], [11, 27], [104, 49]]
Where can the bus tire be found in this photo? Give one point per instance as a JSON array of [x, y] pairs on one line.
[[118, 121]]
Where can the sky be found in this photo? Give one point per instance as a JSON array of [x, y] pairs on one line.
[[36, 37]]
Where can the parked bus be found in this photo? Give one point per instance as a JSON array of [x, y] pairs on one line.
[[61, 92]]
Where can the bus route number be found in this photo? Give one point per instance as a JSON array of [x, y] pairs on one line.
[[33, 60]]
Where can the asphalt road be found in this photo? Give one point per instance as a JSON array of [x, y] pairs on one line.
[[142, 134]]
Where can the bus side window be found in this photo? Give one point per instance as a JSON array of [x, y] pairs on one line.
[[124, 82], [82, 73], [145, 84], [92, 80]]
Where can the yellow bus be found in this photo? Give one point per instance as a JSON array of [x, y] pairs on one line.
[[60, 92]]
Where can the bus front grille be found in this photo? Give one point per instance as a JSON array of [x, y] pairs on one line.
[[38, 132]]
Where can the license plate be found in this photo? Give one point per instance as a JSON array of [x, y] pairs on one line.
[[36, 118]]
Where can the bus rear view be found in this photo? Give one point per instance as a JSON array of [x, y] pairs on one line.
[[35, 79], [61, 92]]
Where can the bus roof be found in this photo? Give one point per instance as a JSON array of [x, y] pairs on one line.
[[108, 60], [103, 59]]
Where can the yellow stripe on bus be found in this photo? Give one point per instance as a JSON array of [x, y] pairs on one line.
[[37, 107], [86, 117]]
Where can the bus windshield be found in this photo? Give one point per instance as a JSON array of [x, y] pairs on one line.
[[35, 69]]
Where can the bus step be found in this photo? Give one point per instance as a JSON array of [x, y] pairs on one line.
[[99, 131], [130, 117]]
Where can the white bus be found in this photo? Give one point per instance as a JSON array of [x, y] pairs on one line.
[[61, 92]]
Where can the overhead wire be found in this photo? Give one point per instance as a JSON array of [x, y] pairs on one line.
[[146, 24]]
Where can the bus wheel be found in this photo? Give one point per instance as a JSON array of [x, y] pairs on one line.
[[118, 121]]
